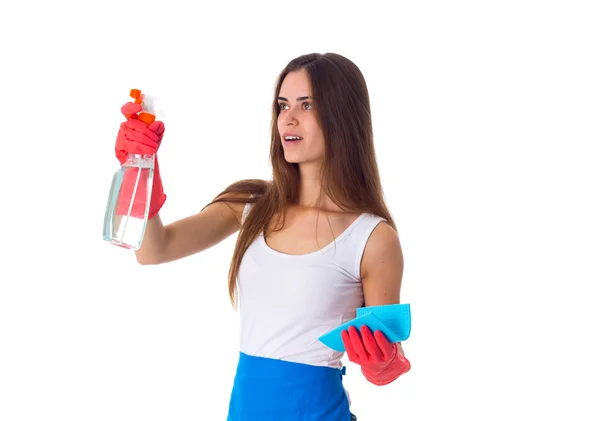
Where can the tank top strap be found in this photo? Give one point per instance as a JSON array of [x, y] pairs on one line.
[[357, 240], [246, 210]]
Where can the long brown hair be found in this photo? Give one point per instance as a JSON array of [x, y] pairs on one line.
[[350, 172]]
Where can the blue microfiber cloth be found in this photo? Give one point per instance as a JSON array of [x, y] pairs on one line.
[[394, 316], [393, 320]]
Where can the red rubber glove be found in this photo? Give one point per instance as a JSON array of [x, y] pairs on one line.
[[380, 360], [136, 137]]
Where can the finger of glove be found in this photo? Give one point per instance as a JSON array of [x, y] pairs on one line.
[[133, 137], [370, 344], [387, 348], [157, 127], [131, 108], [352, 356], [357, 343], [134, 125]]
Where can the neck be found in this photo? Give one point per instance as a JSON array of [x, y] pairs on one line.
[[311, 193]]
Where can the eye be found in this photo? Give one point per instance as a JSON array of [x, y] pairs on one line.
[[305, 105]]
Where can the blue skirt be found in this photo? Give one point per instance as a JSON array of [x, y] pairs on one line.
[[266, 389]]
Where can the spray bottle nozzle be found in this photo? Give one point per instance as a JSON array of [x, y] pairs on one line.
[[145, 117]]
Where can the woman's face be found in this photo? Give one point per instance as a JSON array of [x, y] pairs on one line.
[[297, 118]]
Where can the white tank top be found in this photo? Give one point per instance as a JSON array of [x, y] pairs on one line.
[[287, 301]]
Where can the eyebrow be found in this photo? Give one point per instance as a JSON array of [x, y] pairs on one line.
[[300, 98]]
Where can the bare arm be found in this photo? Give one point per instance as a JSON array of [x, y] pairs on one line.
[[382, 268], [189, 235]]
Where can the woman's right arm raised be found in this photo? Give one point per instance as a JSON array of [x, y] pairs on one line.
[[187, 236], [216, 222]]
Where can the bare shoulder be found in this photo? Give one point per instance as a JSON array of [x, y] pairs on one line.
[[382, 267], [229, 201], [237, 195], [383, 250]]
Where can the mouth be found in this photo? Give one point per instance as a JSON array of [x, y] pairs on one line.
[[292, 139]]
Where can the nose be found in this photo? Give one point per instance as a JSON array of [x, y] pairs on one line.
[[290, 118]]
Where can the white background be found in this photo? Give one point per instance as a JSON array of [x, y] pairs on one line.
[[485, 117]]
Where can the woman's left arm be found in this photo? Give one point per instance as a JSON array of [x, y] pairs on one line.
[[382, 268]]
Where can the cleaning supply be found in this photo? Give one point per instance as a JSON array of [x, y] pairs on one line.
[[396, 317], [147, 115], [136, 192], [380, 360], [393, 320]]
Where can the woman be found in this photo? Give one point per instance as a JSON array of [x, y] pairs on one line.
[[311, 246]]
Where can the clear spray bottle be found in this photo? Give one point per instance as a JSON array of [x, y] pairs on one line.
[[128, 202]]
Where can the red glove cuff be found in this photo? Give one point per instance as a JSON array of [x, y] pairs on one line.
[[158, 196]]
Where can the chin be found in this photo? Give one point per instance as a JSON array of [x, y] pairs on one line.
[[292, 160]]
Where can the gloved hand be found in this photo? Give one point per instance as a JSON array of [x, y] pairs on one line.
[[381, 361], [136, 137]]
